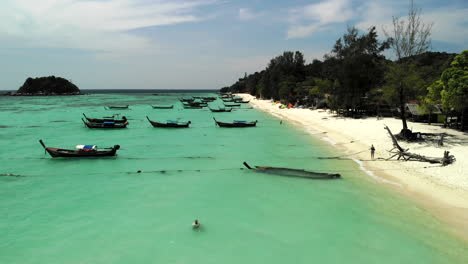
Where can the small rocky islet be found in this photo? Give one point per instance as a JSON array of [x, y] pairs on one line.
[[46, 86]]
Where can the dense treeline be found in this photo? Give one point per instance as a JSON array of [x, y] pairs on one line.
[[356, 78]]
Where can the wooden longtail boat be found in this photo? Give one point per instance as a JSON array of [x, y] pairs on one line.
[[232, 105], [118, 107], [162, 106], [82, 152], [191, 99], [221, 109], [294, 172], [105, 119], [169, 123], [105, 124], [236, 123], [241, 101], [193, 107]]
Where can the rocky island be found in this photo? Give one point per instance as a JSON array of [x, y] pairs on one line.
[[47, 86]]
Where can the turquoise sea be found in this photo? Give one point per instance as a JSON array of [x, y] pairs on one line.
[[103, 211]]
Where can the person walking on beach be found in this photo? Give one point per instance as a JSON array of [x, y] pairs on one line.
[[372, 151]]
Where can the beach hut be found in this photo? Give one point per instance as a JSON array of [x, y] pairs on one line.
[[416, 113]]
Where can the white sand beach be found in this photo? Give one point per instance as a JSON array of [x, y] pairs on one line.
[[442, 190]]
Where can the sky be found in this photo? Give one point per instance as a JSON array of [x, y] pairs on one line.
[[192, 44]]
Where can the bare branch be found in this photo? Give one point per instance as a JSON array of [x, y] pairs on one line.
[[410, 36]]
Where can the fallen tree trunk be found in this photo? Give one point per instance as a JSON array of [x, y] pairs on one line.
[[404, 154]]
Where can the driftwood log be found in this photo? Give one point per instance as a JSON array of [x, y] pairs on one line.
[[404, 154]]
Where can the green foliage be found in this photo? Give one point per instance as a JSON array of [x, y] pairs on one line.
[[354, 76], [402, 84], [434, 92], [455, 83], [321, 87], [360, 66]]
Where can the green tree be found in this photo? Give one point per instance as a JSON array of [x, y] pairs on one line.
[[432, 98], [360, 67], [455, 86]]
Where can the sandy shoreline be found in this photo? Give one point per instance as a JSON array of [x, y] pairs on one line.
[[441, 190]]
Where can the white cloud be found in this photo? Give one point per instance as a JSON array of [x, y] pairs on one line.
[[312, 18], [246, 14], [300, 31], [91, 25], [449, 23]]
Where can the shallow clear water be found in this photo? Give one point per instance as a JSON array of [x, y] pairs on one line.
[[102, 211]]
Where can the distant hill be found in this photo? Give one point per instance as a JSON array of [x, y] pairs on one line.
[[430, 65], [47, 86]]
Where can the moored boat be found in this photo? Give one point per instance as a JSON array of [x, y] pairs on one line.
[[196, 104], [208, 98], [232, 105], [293, 172], [105, 124], [169, 123], [118, 107], [80, 151], [236, 123], [105, 119], [162, 106], [192, 107], [241, 101], [221, 109]]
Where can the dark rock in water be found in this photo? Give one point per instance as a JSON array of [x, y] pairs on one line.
[[47, 86]]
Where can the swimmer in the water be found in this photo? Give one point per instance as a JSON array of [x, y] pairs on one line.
[[196, 224]]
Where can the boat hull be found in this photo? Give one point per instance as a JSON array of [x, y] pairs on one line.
[[236, 124], [71, 153], [294, 172], [68, 153], [169, 124], [162, 107]]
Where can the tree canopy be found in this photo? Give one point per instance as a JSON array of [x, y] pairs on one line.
[[47, 86]]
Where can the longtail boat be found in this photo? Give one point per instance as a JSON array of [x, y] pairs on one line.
[[294, 172], [105, 124], [162, 106], [169, 123], [80, 151], [208, 98], [118, 107], [231, 105], [194, 105], [105, 119], [236, 123], [221, 109], [185, 99], [241, 101]]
